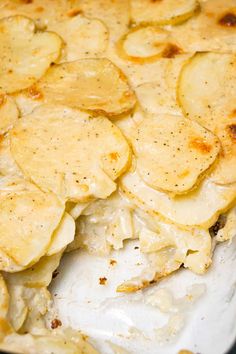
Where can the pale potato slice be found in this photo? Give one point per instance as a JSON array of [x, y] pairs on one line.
[[66, 151], [168, 12], [146, 44], [25, 54], [114, 13], [157, 98], [8, 167], [38, 276], [63, 235], [29, 217], [8, 113], [43, 13], [8, 264], [173, 152], [198, 208], [18, 310], [94, 84], [4, 298], [28, 307], [84, 37], [210, 80]]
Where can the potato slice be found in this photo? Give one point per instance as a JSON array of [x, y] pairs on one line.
[[168, 12], [198, 208], [210, 80], [173, 152], [94, 84], [70, 153], [25, 54], [114, 13], [39, 275], [84, 38], [8, 167], [4, 298], [8, 113], [28, 216], [43, 13], [63, 235], [146, 44], [157, 98]]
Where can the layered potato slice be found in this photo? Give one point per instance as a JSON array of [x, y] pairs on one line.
[[8, 166], [209, 79], [63, 235], [200, 207], [168, 12], [28, 219], [84, 37], [25, 53], [114, 13], [43, 13], [68, 152], [37, 276], [29, 298], [156, 98], [173, 152], [8, 113], [145, 44], [94, 85], [4, 298]]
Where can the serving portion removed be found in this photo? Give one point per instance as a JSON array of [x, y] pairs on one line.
[[117, 123]]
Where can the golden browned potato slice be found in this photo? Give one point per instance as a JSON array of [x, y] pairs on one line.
[[146, 44], [29, 217], [114, 13], [8, 113], [63, 235], [173, 152], [167, 12], [70, 153], [201, 207], [25, 54], [84, 37], [206, 92], [93, 84], [4, 298], [43, 12]]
